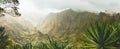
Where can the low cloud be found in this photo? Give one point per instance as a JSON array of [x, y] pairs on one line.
[[36, 9], [91, 5]]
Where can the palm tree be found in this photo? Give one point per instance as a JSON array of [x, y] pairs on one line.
[[101, 36]]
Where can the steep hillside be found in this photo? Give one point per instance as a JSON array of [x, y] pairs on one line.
[[16, 27], [67, 21]]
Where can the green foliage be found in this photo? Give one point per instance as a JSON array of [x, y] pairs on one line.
[[56, 44], [117, 43], [7, 4], [50, 43], [101, 36], [15, 47], [27, 46], [3, 38]]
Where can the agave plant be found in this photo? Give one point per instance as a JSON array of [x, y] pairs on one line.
[[117, 43], [101, 36], [15, 47], [51, 43], [27, 46]]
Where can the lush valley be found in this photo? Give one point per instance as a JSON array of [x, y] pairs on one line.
[[66, 29], [72, 29]]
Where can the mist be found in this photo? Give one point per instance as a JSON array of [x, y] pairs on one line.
[[35, 11]]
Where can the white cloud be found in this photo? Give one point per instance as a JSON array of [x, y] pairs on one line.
[[35, 9]]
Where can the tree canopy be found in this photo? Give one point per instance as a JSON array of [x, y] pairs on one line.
[[9, 7]]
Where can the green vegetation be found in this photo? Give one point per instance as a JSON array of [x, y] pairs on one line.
[[97, 32], [66, 30], [14, 7], [50, 43], [102, 36], [3, 38], [98, 36]]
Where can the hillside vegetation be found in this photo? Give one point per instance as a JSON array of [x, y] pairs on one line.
[[68, 29]]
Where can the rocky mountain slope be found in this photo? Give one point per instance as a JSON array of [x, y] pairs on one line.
[[17, 27], [67, 21]]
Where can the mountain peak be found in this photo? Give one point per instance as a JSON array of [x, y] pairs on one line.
[[67, 9], [62, 11]]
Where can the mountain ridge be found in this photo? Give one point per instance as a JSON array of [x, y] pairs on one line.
[[67, 21]]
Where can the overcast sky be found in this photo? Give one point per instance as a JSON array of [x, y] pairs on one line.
[[35, 9]]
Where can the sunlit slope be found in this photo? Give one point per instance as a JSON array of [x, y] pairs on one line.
[[16, 27]]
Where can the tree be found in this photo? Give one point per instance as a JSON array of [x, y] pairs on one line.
[[3, 38], [11, 5]]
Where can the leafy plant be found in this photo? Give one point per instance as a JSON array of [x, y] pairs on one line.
[[51, 43], [100, 36], [7, 4], [3, 38], [27, 46]]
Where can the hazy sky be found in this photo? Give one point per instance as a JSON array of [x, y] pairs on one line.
[[35, 9]]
